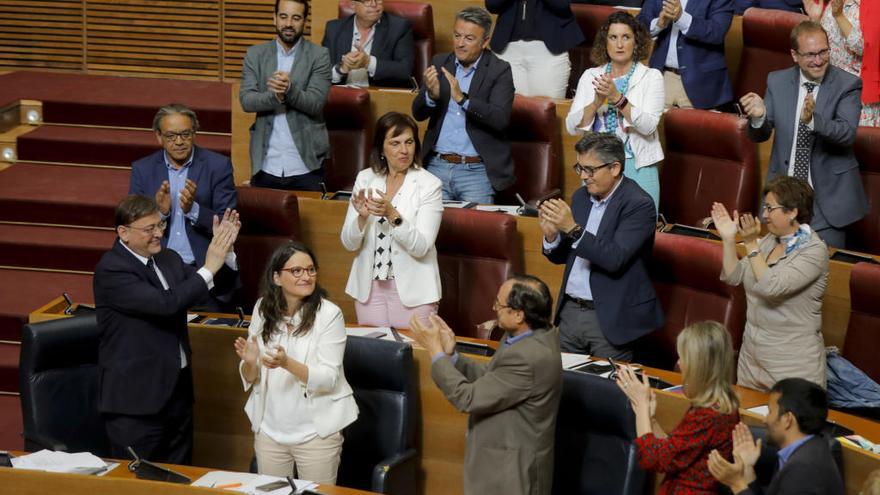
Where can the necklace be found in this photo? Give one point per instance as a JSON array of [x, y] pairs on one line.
[[613, 115]]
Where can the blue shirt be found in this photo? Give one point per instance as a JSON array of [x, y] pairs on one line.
[[578, 284], [177, 239], [282, 157], [784, 454], [453, 136], [510, 340]]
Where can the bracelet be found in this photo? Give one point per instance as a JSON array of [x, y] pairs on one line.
[[621, 102]]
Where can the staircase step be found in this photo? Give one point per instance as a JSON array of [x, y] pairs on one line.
[[11, 424], [9, 367], [56, 248], [118, 101], [59, 194], [23, 291], [100, 145]]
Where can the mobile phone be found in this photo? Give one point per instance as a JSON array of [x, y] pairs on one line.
[[375, 335], [554, 194], [269, 487]]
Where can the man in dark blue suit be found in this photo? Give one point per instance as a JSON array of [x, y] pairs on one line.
[[689, 50], [371, 47], [142, 293], [190, 184], [605, 239]]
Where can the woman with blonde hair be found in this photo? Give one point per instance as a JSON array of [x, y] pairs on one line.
[[705, 356]]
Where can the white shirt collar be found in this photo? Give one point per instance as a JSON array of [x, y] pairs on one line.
[[139, 257]]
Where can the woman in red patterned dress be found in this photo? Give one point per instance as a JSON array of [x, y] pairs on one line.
[[705, 356]]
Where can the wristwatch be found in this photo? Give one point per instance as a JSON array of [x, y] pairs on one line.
[[575, 233], [464, 98], [753, 253]]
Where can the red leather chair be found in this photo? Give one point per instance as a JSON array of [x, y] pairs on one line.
[[535, 143], [477, 251], [347, 114], [420, 16], [863, 332], [766, 47], [709, 157], [685, 271], [864, 235], [589, 18], [269, 218]]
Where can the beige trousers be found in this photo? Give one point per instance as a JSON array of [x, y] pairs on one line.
[[316, 460], [675, 95]]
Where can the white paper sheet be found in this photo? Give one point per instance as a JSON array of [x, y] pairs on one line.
[[249, 482], [61, 462], [571, 360]]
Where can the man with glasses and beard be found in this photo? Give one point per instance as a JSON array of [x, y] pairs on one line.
[[814, 108], [285, 82], [604, 239], [190, 185]]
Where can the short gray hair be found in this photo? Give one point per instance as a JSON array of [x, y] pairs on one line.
[[478, 16], [607, 147], [175, 108]]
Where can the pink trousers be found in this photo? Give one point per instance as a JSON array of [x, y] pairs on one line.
[[384, 309]]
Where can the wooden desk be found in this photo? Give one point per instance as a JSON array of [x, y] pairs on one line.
[[223, 438], [119, 480]]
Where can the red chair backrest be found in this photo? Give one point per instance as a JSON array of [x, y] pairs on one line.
[[420, 17], [864, 235], [589, 18], [347, 114], [477, 251], [766, 47], [535, 143], [685, 272], [709, 157], [863, 332]]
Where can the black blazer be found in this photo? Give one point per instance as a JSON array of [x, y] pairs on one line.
[[487, 116], [142, 326], [810, 470], [393, 47], [554, 21], [626, 303]]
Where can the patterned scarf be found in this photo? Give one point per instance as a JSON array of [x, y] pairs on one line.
[[796, 240]]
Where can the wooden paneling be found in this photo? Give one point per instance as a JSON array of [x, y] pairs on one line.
[[246, 23], [41, 34]]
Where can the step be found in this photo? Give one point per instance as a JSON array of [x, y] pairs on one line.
[[11, 424], [60, 194], [57, 248], [9, 367], [118, 101], [23, 291], [100, 145]]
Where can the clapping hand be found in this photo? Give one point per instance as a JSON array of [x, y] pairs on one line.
[[187, 196], [163, 198], [741, 472], [637, 391], [605, 89], [379, 205], [807, 110], [275, 358], [433, 334], [749, 228], [727, 227], [813, 9], [753, 105], [558, 215], [432, 82], [279, 83], [359, 202], [247, 350], [454, 88], [225, 234]]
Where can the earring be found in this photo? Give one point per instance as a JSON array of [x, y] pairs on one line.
[[382, 157], [791, 221]]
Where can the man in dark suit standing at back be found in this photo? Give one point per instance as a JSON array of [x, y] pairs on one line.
[[371, 47], [804, 464], [468, 95], [190, 185], [142, 293], [605, 240], [512, 400], [814, 108]]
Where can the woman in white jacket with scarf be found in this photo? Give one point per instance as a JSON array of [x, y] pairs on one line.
[[623, 96]]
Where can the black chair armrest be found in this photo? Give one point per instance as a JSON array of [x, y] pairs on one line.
[[397, 475], [35, 441]]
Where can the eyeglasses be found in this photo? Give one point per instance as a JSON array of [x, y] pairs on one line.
[[813, 55], [150, 228], [769, 209], [172, 136], [368, 2], [298, 271], [590, 171], [497, 306]]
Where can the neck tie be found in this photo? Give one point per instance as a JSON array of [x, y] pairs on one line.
[[803, 143]]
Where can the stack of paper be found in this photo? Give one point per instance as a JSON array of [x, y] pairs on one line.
[[248, 483], [63, 462], [570, 360]]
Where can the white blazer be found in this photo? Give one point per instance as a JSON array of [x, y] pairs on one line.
[[645, 94], [413, 255], [328, 394]]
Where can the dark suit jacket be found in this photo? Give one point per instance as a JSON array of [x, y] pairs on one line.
[[833, 166], [393, 47], [789, 5], [212, 173], [625, 300], [554, 21], [487, 116], [142, 326], [810, 470], [700, 52], [512, 401]]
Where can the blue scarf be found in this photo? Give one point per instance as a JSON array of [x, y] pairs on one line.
[[796, 240]]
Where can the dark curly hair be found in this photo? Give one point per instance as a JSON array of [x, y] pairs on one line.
[[599, 53]]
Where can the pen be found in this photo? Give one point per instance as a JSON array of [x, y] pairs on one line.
[[229, 485]]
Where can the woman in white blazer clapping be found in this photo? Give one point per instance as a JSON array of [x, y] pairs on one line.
[[392, 222], [292, 363]]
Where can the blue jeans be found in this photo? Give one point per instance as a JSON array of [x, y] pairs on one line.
[[462, 182]]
